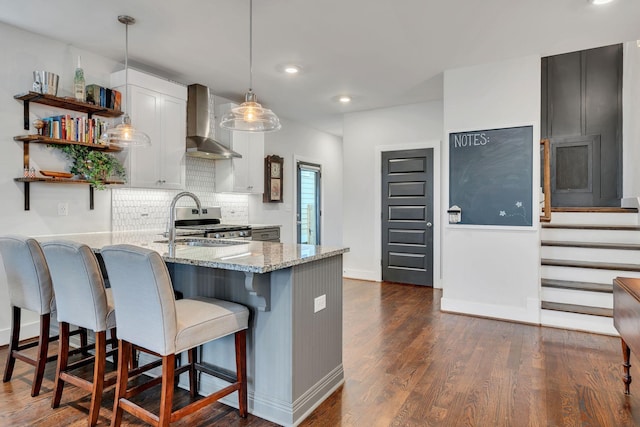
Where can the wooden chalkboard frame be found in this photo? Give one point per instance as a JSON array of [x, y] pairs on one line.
[[491, 176]]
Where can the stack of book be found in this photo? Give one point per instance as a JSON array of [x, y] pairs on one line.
[[104, 97], [78, 129]]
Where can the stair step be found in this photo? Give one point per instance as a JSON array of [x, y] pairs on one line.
[[581, 309], [591, 245], [595, 209], [578, 286], [592, 227], [592, 265]]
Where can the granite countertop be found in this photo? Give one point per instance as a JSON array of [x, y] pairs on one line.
[[262, 226], [238, 255]]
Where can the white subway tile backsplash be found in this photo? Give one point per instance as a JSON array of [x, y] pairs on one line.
[[148, 209]]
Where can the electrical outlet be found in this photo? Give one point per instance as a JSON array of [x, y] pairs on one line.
[[320, 303], [63, 209]]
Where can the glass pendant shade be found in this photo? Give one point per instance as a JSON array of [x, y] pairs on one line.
[[250, 117], [124, 135]]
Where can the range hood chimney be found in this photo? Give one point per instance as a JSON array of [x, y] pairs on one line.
[[199, 124]]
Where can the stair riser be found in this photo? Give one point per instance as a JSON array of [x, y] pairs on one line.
[[592, 236], [578, 322], [619, 256], [584, 274], [567, 296], [605, 218]]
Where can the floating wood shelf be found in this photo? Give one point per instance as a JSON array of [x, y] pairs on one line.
[[66, 103], [29, 180], [39, 139]]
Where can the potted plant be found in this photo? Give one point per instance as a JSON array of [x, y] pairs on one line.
[[93, 165]]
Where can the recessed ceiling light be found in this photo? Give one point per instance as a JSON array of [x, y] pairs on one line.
[[292, 69], [344, 99], [599, 2]]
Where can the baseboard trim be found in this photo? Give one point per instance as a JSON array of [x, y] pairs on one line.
[[529, 314], [27, 330], [351, 273]]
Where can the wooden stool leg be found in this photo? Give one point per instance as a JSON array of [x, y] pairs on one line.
[[63, 359], [193, 378], [124, 353], [166, 397], [241, 370], [13, 345], [98, 376], [626, 355], [84, 342], [43, 348]]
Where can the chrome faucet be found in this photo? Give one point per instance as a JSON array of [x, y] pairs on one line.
[[171, 226]]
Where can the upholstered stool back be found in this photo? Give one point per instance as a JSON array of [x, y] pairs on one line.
[[144, 298], [79, 287], [28, 275]]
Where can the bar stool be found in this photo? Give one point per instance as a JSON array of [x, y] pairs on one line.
[[151, 319], [82, 300], [29, 289]]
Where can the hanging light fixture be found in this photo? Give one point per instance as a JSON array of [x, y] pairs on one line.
[[250, 116], [124, 135]]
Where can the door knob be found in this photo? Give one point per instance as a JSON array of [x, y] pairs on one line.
[[429, 224]]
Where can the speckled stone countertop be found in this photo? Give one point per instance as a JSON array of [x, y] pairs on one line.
[[247, 256], [263, 226]]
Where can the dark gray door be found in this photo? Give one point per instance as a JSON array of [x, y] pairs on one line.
[[407, 216], [582, 117]]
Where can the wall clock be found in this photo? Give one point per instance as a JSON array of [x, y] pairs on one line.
[[273, 179]]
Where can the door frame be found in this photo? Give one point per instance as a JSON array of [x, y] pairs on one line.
[[294, 181], [437, 212]]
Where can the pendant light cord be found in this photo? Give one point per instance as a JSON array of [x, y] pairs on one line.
[[250, 45], [126, 54]]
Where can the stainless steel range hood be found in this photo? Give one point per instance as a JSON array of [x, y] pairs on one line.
[[199, 123]]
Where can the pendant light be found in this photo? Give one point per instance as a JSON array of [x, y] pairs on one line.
[[124, 135], [250, 116]]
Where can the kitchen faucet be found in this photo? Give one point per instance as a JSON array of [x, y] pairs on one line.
[[171, 226]]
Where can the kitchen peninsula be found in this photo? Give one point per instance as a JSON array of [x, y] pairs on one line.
[[294, 345]]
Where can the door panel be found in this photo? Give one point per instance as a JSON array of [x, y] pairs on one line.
[[407, 216], [575, 166]]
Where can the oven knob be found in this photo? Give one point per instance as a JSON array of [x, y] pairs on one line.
[[243, 234], [217, 235]]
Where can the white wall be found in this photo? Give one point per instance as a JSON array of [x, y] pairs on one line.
[[365, 135], [630, 122], [492, 272], [295, 141], [21, 53]]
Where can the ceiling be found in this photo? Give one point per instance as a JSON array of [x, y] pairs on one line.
[[381, 52]]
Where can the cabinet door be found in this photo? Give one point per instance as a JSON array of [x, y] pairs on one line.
[[255, 162], [144, 109], [172, 171], [241, 166]]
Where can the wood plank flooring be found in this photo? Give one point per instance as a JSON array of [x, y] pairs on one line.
[[408, 364]]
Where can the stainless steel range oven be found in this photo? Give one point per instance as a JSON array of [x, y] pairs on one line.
[[207, 223]]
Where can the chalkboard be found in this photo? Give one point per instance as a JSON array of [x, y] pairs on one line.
[[490, 176]]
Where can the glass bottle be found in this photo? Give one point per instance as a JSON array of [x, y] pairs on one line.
[[78, 83]]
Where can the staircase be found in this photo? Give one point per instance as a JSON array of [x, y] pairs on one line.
[[582, 251]]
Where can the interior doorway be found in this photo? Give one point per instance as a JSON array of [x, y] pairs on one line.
[[308, 203], [407, 216]]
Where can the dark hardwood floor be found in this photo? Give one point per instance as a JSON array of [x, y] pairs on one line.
[[408, 364]]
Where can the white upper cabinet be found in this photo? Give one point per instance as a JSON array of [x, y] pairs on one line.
[[245, 175], [157, 107]]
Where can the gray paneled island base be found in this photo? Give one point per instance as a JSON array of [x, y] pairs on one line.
[[294, 355]]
